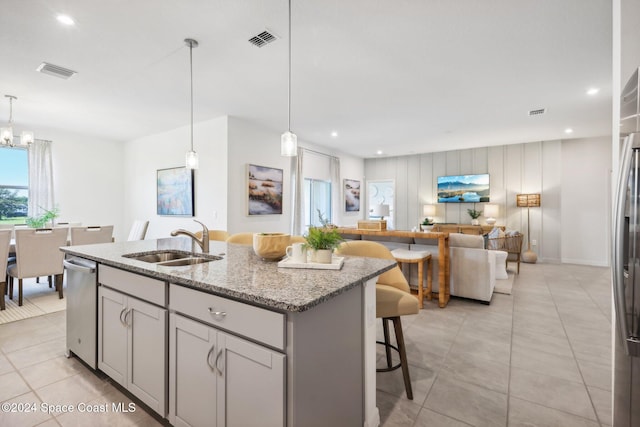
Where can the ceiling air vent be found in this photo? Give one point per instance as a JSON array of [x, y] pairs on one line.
[[56, 70], [537, 112], [262, 39]]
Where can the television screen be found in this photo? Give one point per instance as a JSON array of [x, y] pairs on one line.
[[463, 188]]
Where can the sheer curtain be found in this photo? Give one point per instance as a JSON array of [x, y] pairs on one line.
[[40, 177], [297, 184]]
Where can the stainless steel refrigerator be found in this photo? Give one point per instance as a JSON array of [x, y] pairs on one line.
[[626, 264]]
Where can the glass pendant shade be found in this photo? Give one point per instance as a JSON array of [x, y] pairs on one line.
[[191, 160], [6, 135], [289, 144], [26, 137]]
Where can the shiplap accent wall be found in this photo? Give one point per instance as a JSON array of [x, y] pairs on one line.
[[535, 167]]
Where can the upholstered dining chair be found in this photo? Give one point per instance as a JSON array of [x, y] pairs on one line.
[[38, 254], [91, 235], [393, 299], [5, 239], [217, 235], [138, 230], [241, 238]]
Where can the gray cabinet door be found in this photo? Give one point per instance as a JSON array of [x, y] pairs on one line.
[[192, 373], [251, 390], [147, 362], [112, 335]]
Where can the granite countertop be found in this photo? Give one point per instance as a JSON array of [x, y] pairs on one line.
[[240, 274]]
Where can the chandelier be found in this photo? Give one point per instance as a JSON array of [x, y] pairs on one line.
[[6, 133]]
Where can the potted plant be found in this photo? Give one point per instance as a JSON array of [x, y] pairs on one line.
[[427, 224], [322, 241], [474, 214]]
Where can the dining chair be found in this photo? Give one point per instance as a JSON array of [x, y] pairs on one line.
[[91, 235], [218, 235], [241, 238], [393, 299], [5, 239], [138, 230], [38, 254]]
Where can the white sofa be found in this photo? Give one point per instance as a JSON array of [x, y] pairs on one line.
[[472, 268]]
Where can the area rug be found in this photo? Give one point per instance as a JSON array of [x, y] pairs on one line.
[[504, 286], [38, 299]]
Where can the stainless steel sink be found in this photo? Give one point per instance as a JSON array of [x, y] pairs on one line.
[[172, 257], [186, 261], [159, 256]]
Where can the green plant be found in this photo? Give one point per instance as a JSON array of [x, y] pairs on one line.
[[325, 237], [474, 214], [41, 220], [427, 221]]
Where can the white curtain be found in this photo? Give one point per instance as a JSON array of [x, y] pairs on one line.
[[297, 194], [336, 203], [40, 177]]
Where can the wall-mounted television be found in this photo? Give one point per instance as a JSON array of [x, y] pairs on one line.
[[463, 188]]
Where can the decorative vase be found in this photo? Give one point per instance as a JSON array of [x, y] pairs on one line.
[[426, 227], [321, 256], [475, 222], [271, 246]]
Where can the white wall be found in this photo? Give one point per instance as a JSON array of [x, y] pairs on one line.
[[88, 179], [144, 156], [552, 168]]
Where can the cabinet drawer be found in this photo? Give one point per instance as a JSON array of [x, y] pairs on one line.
[[142, 287], [252, 322]]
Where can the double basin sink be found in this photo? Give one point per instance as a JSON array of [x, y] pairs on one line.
[[172, 258]]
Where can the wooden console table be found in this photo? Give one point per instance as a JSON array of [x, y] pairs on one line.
[[443, 252], [465, 228]]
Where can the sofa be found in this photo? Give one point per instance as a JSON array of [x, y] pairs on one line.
[[472, 267]]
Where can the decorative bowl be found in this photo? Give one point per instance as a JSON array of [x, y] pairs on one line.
[[271, 246]]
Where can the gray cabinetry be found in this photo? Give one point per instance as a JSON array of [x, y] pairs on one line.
[[217, 378], [132, 344]]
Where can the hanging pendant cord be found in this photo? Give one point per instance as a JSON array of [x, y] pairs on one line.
[[289, 89], [191, 73]]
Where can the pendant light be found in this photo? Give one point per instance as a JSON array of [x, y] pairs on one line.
[[289, 140], [191, 159], [6, 133]]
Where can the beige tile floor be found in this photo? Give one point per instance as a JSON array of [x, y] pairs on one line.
[[538, 357]]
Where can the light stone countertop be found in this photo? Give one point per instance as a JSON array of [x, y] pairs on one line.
[[240, 274]]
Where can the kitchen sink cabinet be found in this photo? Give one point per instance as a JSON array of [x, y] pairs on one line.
[[218, 379], [132, 346]]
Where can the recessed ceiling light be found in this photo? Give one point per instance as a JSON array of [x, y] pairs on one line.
[[593, 91], [379, 152], [334, 134], [65, 19], [568, 130]]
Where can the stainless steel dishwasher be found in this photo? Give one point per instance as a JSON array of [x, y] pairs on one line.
[[82, 309]]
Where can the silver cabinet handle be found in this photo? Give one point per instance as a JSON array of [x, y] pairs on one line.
[[215, 364], [123, 311], [126, 321], [217, 314], [213, 368]]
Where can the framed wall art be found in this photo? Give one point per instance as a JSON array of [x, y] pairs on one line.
[[264, 190], [175, 192], [351, 189]]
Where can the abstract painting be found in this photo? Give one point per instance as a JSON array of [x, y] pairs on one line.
[[264, 185], [175, 192]]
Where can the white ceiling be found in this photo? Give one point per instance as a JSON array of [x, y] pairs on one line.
[[402, 76]]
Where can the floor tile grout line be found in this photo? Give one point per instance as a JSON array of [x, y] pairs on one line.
[[584, 383]]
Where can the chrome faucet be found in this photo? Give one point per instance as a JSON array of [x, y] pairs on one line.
[[204, 243]]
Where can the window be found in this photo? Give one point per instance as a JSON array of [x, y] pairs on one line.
[[14, 185], [317, 195]]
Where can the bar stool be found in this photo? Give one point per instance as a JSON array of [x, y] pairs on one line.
[[417, 257], [393, 300]]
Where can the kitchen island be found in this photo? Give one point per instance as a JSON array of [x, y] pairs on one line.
[[238, 341]]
